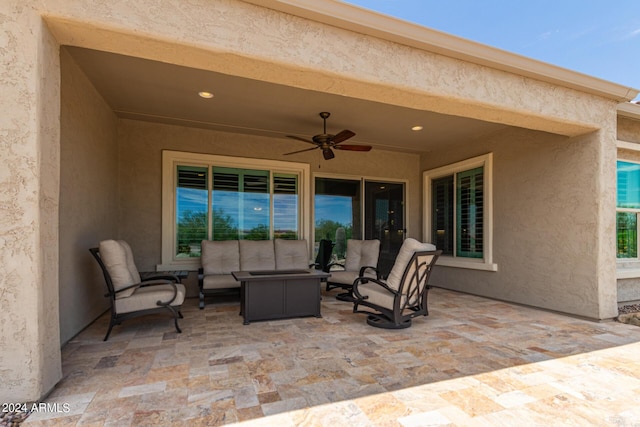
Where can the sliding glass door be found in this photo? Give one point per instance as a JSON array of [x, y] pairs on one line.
[[339, 215], [384, 219], [337, 212]]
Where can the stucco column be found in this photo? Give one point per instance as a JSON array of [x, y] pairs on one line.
[[30, 362], [606, 206]]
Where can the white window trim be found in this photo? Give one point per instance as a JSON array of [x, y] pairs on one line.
[[486, 161], [171, 159], [627, 268]]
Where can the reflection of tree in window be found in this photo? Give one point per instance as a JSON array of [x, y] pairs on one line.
[[242, 198], [627, 233], [628, 205], [337, 212], [191, 210]]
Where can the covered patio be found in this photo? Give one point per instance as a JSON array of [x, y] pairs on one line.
[[472, 361], [97, 100]]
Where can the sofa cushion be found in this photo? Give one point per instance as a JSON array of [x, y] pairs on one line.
[[114, 257], [220, 257], [219, 281], [257, 255], [361, 253], [409, 246], [291, 254]]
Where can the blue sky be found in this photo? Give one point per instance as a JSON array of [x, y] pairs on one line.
[[595, 37]]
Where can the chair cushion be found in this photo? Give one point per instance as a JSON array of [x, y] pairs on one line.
[[117, 258], [361, 253], [220, 257], [145, 297], [219, 281], [291, 254], [347, 277], [378, 295], [257, 255], [342, 277], [409, 246]]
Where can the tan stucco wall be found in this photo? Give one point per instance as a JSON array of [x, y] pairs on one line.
[[89, 204], [237, 38], [553, 243], [298, 52], [628, 130], [30, 363]]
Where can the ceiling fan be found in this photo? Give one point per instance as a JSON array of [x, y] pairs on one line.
[[326, 142]]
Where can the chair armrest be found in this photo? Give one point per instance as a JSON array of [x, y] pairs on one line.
[[135, 285], [369, 267], [364, 280], [173, 298], [169, 277]]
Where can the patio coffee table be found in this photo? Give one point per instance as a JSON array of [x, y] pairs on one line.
[[279, 294]]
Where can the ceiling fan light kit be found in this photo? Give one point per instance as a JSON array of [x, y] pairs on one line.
[[327, 142]]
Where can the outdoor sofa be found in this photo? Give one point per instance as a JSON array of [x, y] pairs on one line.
[[220, 258]]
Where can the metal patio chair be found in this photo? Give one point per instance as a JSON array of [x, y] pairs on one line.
[[129, 295], [393, 303]]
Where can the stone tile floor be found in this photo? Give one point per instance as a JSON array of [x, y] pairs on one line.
[[471, 362]]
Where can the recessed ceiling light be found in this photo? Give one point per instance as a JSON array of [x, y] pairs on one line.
[[205, 94], [416, 128]]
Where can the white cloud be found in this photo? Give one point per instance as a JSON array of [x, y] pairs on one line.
[[632, 34], [547, 35]]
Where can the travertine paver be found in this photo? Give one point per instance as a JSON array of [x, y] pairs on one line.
[[472, 361]]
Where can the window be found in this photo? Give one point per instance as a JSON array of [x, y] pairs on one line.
[[458, 212], [192, 210], [240, 204], [337, 212], [208, 197], [627, 209]]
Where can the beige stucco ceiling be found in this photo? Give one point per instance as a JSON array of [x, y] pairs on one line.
[[141, 89]]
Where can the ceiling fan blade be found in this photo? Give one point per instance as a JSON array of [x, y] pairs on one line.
[[328, 154], [301, 151], [343, 136], [353, 147], [300, 139]]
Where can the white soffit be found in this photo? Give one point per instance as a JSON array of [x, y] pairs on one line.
[[354, 18]]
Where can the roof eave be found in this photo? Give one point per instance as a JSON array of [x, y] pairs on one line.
[[354, 18], [629, 110]]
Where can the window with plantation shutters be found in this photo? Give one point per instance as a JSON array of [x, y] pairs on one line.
[[469, 208], [442, 230], [459, 211], [286, 206], [458, 214], [211, 197]]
